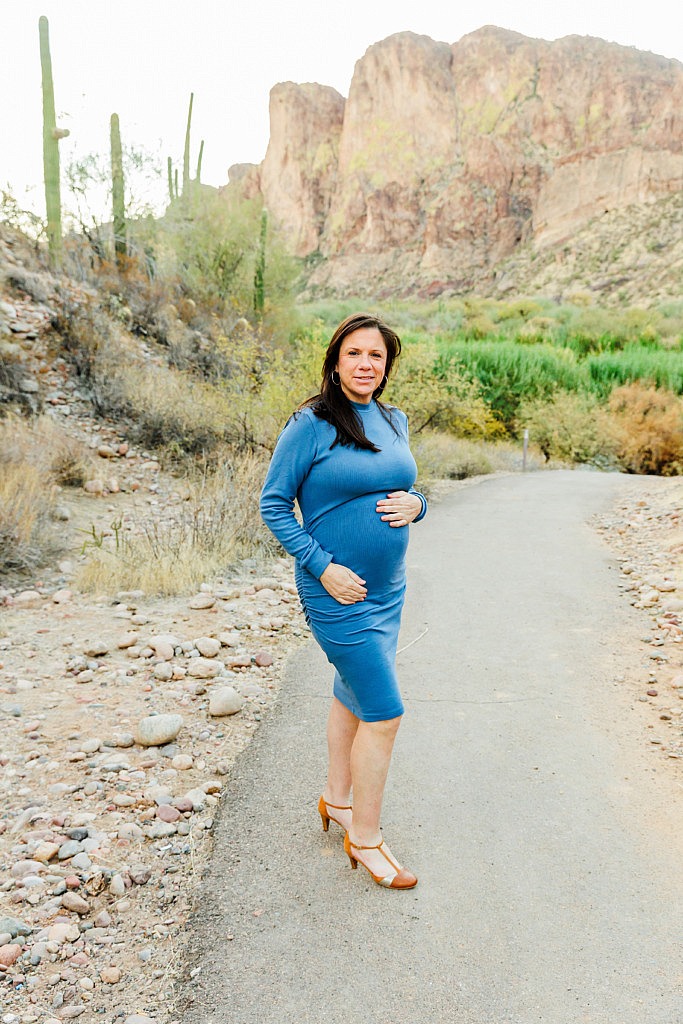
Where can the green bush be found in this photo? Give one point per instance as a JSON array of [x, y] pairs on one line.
[[439, 396], [570, 426], [661, 368], [509, 374]]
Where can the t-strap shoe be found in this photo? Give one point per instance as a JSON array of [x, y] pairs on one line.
[[324, 810], [397, 878]]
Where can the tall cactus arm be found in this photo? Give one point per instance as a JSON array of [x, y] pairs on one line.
[[186, 153], [117, 189], [51, 137]]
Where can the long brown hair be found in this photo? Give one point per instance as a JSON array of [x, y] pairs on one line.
[[332, 404]]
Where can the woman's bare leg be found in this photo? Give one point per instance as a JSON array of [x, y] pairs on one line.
[[370, 759], [342, 726]]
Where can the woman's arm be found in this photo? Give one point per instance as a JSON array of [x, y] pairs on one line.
[[291, 462]]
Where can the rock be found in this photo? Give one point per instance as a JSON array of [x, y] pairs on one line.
[[13, 926], [9, 954], [124, 800], [63, 596], [81, 862], [28, 599], [72, 901], [201, 602], [182, 762], [96, 648], [158, 729], [127, 641], [121, 739], [197, 799], [238, 661], [164, 645], [263, 659], [207, 646], [63, 932], [139, 874], [69, 849], [165, 812], [184, 803], [163, 672], [138, 1018], [225, 701], [105, 452], [94, 487], [45, 852], [203, 668], [117, 886], [23, 868], [160, 830]]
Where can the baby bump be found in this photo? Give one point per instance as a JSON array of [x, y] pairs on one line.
[[356, 536]]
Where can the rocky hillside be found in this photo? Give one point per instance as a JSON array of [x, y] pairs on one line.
[[447, 159]]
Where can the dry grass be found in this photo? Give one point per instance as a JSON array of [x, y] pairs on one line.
[[217, 524], [444, 457], [27, 496], [35, 458]]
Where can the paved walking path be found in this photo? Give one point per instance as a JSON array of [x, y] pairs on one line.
[[521, 794]]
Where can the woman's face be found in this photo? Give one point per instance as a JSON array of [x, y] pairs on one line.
[[361, 364]]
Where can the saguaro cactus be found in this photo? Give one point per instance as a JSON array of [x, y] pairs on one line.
[[51, 136], [198, 179], [186, 154], [117, 190], [171, 195], [260, 270]]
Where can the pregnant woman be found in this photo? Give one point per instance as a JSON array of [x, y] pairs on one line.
[[344, 457]]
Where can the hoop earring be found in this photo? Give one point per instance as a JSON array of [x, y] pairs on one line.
[[338, 381], [384, 383]]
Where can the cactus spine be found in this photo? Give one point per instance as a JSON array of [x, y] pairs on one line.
[[186, 154], [117, 190], [260, 270], [51, 137]]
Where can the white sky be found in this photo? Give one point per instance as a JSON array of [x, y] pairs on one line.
[[142, 58]]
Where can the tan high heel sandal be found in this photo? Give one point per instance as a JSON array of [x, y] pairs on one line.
[[327, 817], [398, 878]]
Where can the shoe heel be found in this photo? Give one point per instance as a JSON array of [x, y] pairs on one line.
[[325, 821], [347, 848]]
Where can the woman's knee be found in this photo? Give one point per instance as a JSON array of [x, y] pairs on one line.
[[386, 726]]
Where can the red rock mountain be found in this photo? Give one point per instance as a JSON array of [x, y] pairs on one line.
[[445, 159]]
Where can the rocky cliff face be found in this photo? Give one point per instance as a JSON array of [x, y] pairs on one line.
[[445, 159]]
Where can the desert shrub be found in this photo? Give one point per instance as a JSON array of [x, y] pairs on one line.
[[11, 374], [29, 468], [216, 525], [441, 456], [439, 396], [569, 426], [537, 330], [647, 429]]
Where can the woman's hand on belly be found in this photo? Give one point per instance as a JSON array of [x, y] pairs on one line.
[[343, 584], [399, 508]]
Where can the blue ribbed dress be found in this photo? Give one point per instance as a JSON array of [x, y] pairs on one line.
[[337, 490]]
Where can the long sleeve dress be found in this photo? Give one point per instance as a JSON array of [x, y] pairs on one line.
[[337, 489]]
